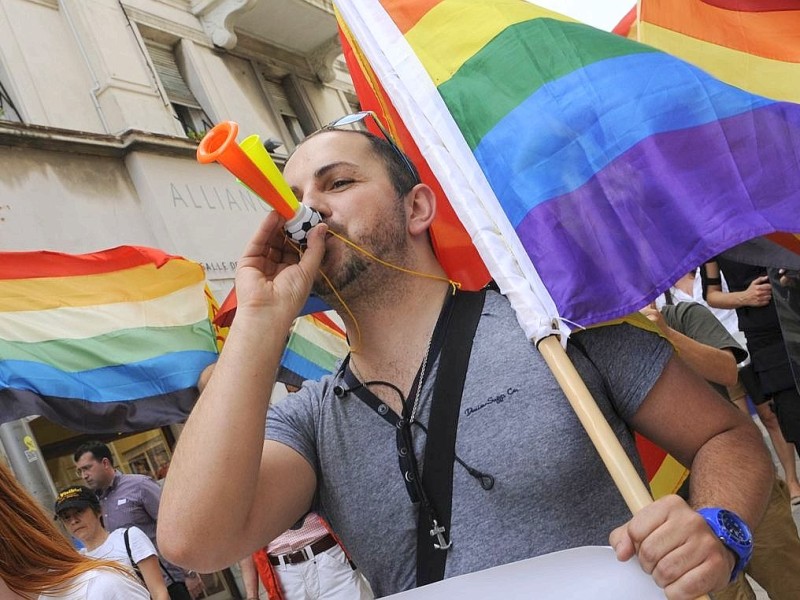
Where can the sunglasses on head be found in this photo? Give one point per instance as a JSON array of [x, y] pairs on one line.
[[361, 116]]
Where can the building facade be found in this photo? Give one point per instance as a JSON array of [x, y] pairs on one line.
[[103, 102], [102, 105]]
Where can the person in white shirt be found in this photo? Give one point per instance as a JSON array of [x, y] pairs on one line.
[[38, 562], [79, 509]]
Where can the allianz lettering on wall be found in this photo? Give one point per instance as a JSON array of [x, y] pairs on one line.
[[197, 211]]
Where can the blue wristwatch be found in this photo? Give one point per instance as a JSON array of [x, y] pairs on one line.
[[733, 532]]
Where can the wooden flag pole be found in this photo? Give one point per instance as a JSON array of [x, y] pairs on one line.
[[619, 465]]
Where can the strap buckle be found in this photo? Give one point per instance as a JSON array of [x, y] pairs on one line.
[[441, 543]]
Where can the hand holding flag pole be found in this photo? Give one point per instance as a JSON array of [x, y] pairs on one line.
[[252, 165]]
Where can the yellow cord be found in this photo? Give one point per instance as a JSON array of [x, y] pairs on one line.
[[455, 285]]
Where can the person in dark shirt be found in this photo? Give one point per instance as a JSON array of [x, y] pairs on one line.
[[750, 293]]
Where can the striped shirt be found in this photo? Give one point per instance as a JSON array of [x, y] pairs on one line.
[[133, 500], [311, 530]]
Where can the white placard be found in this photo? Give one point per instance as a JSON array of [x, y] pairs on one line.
[[588, 573]]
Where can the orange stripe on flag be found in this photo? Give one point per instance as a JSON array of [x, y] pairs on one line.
[[772, 34], [790, 241], [406, 14]]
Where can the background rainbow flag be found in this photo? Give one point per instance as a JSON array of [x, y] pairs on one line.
[[104, 342], [316, 344], [752, 44]]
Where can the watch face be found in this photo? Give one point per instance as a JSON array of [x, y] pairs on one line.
[[735, 528]]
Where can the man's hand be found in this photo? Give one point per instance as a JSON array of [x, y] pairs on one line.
[[758, 293], [271, 272], [788, 278], [653, 314], [675, 545]]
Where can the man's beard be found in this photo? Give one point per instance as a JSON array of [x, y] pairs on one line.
[[356, 272]]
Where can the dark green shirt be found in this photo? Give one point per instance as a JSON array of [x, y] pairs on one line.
[[697, 322]]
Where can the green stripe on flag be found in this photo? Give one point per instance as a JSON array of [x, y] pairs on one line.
[[312, 351], [550, 50], [116, 348]]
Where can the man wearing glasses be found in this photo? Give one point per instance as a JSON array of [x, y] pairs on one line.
[[126, 501], [527, 479]]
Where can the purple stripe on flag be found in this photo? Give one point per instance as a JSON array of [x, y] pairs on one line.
[[603, 254]]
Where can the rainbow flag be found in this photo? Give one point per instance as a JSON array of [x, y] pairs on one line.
[[589, 170], [316, 344], [106, 342], [752, 44]]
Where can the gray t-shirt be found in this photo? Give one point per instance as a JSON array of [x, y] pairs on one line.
[[551, 489]]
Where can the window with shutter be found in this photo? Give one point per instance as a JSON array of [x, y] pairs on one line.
[[164, 61], [187, 109], [284, 107], [8, 112]]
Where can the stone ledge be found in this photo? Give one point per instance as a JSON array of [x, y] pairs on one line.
[[20, 135]]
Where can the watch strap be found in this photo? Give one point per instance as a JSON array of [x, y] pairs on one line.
[[733, 532]]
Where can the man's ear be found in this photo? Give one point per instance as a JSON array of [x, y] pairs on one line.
[[421, 204]]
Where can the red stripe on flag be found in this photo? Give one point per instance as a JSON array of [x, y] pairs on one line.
[[623, 28], [326, 320], [452, 243], [30, 265], [790, 241], [652, 456], [755, 5]]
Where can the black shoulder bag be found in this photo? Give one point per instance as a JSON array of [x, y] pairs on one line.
[[437, 477], [136, 566], [130, 555]]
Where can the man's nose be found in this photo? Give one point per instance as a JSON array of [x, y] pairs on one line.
[[318, 203]]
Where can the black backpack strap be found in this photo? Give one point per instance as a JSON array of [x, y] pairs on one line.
[[133, 562], [130, 554], [437, 479]]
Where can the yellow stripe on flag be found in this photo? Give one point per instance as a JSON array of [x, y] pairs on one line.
[[67, 322], [669, 478], [130, 285], [442, 49], [771, 78]]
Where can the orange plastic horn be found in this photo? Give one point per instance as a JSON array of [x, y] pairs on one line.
[[219, 145]]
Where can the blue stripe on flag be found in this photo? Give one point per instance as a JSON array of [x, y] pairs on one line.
[[151, 377], [302, 366], [633, 98]]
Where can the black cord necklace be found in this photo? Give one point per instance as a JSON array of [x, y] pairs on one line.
[[407, 459]]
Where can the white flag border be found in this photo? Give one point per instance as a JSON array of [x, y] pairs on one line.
[[443, 146]]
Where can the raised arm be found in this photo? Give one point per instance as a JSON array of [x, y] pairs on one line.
[[227, 491], [758, 293], [713, 364]]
